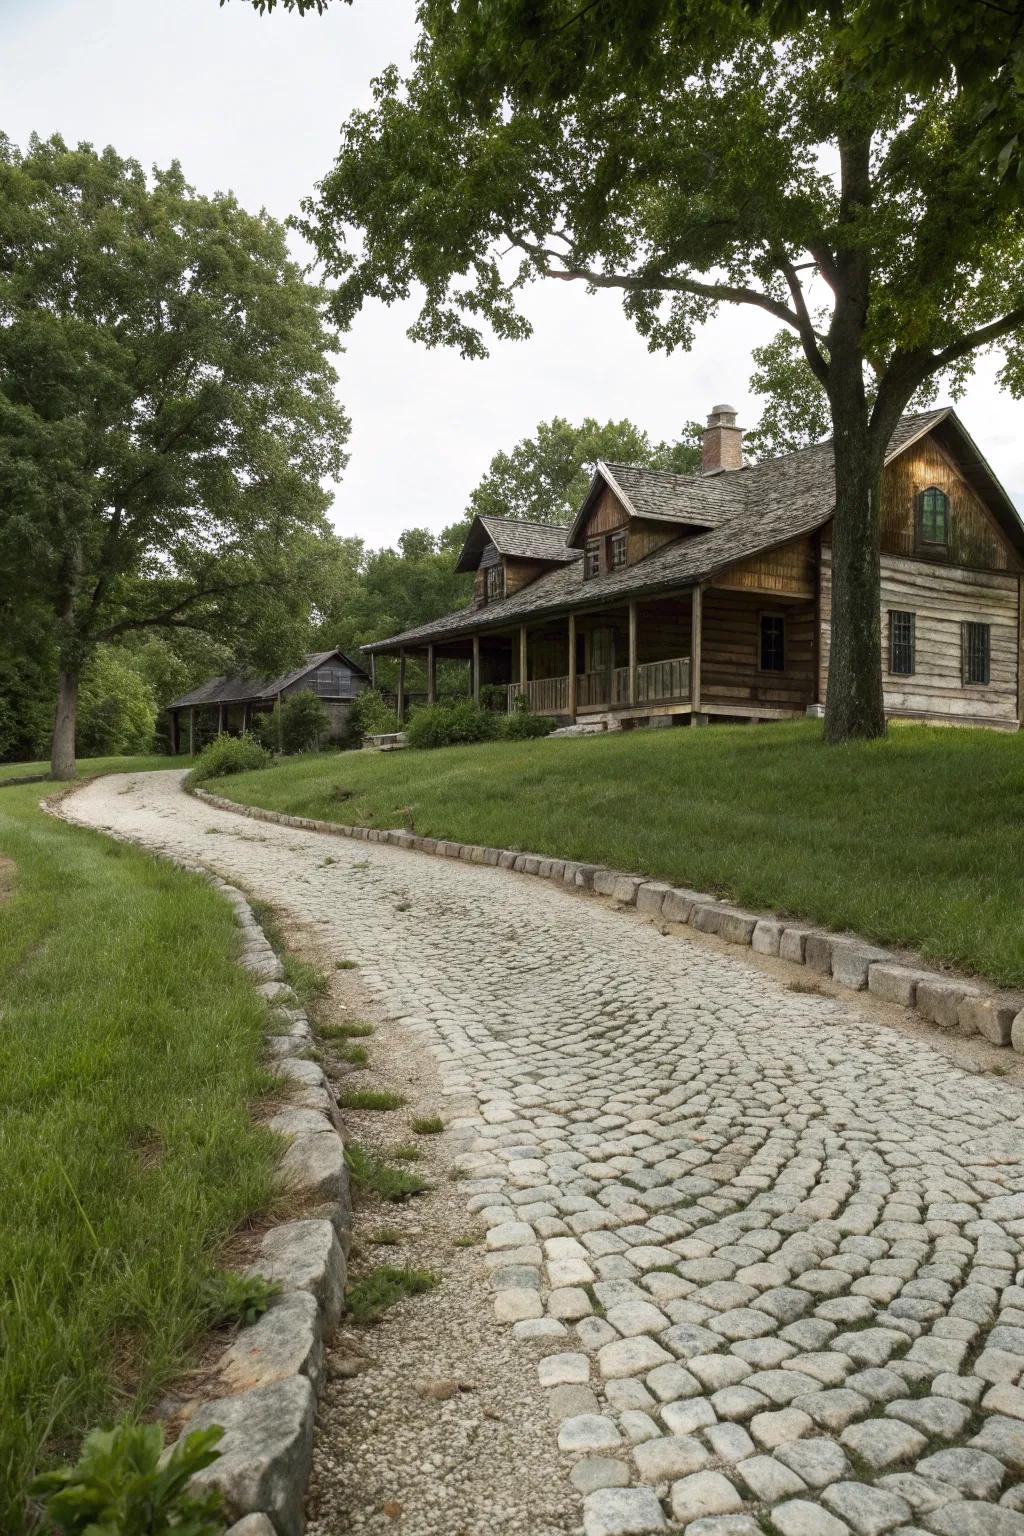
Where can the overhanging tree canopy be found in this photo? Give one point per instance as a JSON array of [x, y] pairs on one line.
[[167, 411], [723, 167]]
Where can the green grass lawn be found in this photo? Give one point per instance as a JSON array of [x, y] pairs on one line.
[[88, 767], [915, 840], [130, 1048]]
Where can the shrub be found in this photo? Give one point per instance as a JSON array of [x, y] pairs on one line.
[[451, 725], [264, 730], [119, 1486], [304, 722], [238, 1300], [372, 715], [522, 726], [229, 754], [494, 696]]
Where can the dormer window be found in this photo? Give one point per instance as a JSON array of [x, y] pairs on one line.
[[495, 579], [933, 518], [592, 559], [619, 551]]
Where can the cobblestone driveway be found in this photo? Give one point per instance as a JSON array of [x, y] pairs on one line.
[[769, 1251]]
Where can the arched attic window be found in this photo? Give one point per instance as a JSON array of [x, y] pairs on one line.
[[933, 518]]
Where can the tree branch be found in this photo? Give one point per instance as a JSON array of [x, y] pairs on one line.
[[166, 616], [720, 292], [979, 338], [805, 326]]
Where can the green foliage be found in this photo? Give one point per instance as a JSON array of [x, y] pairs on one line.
[[372, 715], [165, 471], [522, 726], [118, 1486], [229, 754], [371, 1175], [237, 1299], [372, 1295], [545, 477], [304, 722], [450, 725], [116, 706]]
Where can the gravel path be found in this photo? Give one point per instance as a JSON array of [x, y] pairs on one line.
[[761, 1256]]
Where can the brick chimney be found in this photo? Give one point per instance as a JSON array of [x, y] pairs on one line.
[[723, 440]]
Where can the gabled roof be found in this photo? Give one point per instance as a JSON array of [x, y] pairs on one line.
[[757, 509], [512, 536], [657, 495], [259, 690]]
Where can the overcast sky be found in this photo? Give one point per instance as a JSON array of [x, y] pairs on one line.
[[254, 104]]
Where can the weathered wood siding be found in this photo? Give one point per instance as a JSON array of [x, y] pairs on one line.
[[731, 652], [941, 600], [607, 515], [974, 538], [789, 571]]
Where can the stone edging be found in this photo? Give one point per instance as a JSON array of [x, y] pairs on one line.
[[272, 1372], [944, 999]]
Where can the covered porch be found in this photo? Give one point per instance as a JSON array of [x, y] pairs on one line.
[[696, 654]]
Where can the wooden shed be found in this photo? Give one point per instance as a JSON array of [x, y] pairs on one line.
[[230, 703]]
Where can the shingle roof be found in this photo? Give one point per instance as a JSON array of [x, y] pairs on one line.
[[695, 500], [512, 536], [756, 508], [253, 690]]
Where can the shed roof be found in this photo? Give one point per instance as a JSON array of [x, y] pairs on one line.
[[515, 537], [259, 690], [753, 509]]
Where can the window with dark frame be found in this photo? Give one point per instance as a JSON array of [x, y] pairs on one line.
[[976, 652], [495, 583], [933, 517], [592, 559], [773, 643], [619, 551], [901, 643]]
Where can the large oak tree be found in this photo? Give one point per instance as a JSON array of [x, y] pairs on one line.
[[167, 413], [690, 157]]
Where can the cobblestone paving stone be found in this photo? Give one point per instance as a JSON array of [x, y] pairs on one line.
[[768, 1253]]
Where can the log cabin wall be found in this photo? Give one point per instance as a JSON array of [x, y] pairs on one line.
[[731, 651], [519, 573], [608, 514], [941, 600], [974, 539], [645, 538]]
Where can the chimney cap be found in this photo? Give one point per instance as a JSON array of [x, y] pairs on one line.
[[723, 410]]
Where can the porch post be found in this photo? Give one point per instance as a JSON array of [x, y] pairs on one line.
[[431, 675], [401, 689], [192, 730], [476, 670], [246, 717], [173, 716], [571, 701], [631, 695], [222, 719], [373, 669], [280, 722], [696, 624], [522, 653]]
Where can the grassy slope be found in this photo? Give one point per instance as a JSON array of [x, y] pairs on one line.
[[129, 1055], [916, 840], [88, 767]]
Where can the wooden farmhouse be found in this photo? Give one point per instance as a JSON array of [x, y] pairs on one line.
[[708, 596], [230, 703]]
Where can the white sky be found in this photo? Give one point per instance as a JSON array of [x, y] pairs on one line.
[[254, 104]]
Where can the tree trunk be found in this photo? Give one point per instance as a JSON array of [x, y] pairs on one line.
[[853, 702], [62, 758]]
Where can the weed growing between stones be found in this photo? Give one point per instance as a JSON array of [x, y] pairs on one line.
[[385, 1237], [427, 1125], [355, 1029], [345, 965], [405, 1152], [355, 1055], [371, 1175], [371, 1296], [238, 1300], [370, 1098]]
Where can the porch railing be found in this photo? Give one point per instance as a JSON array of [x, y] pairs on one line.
[[545, 695], [657, 682]]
